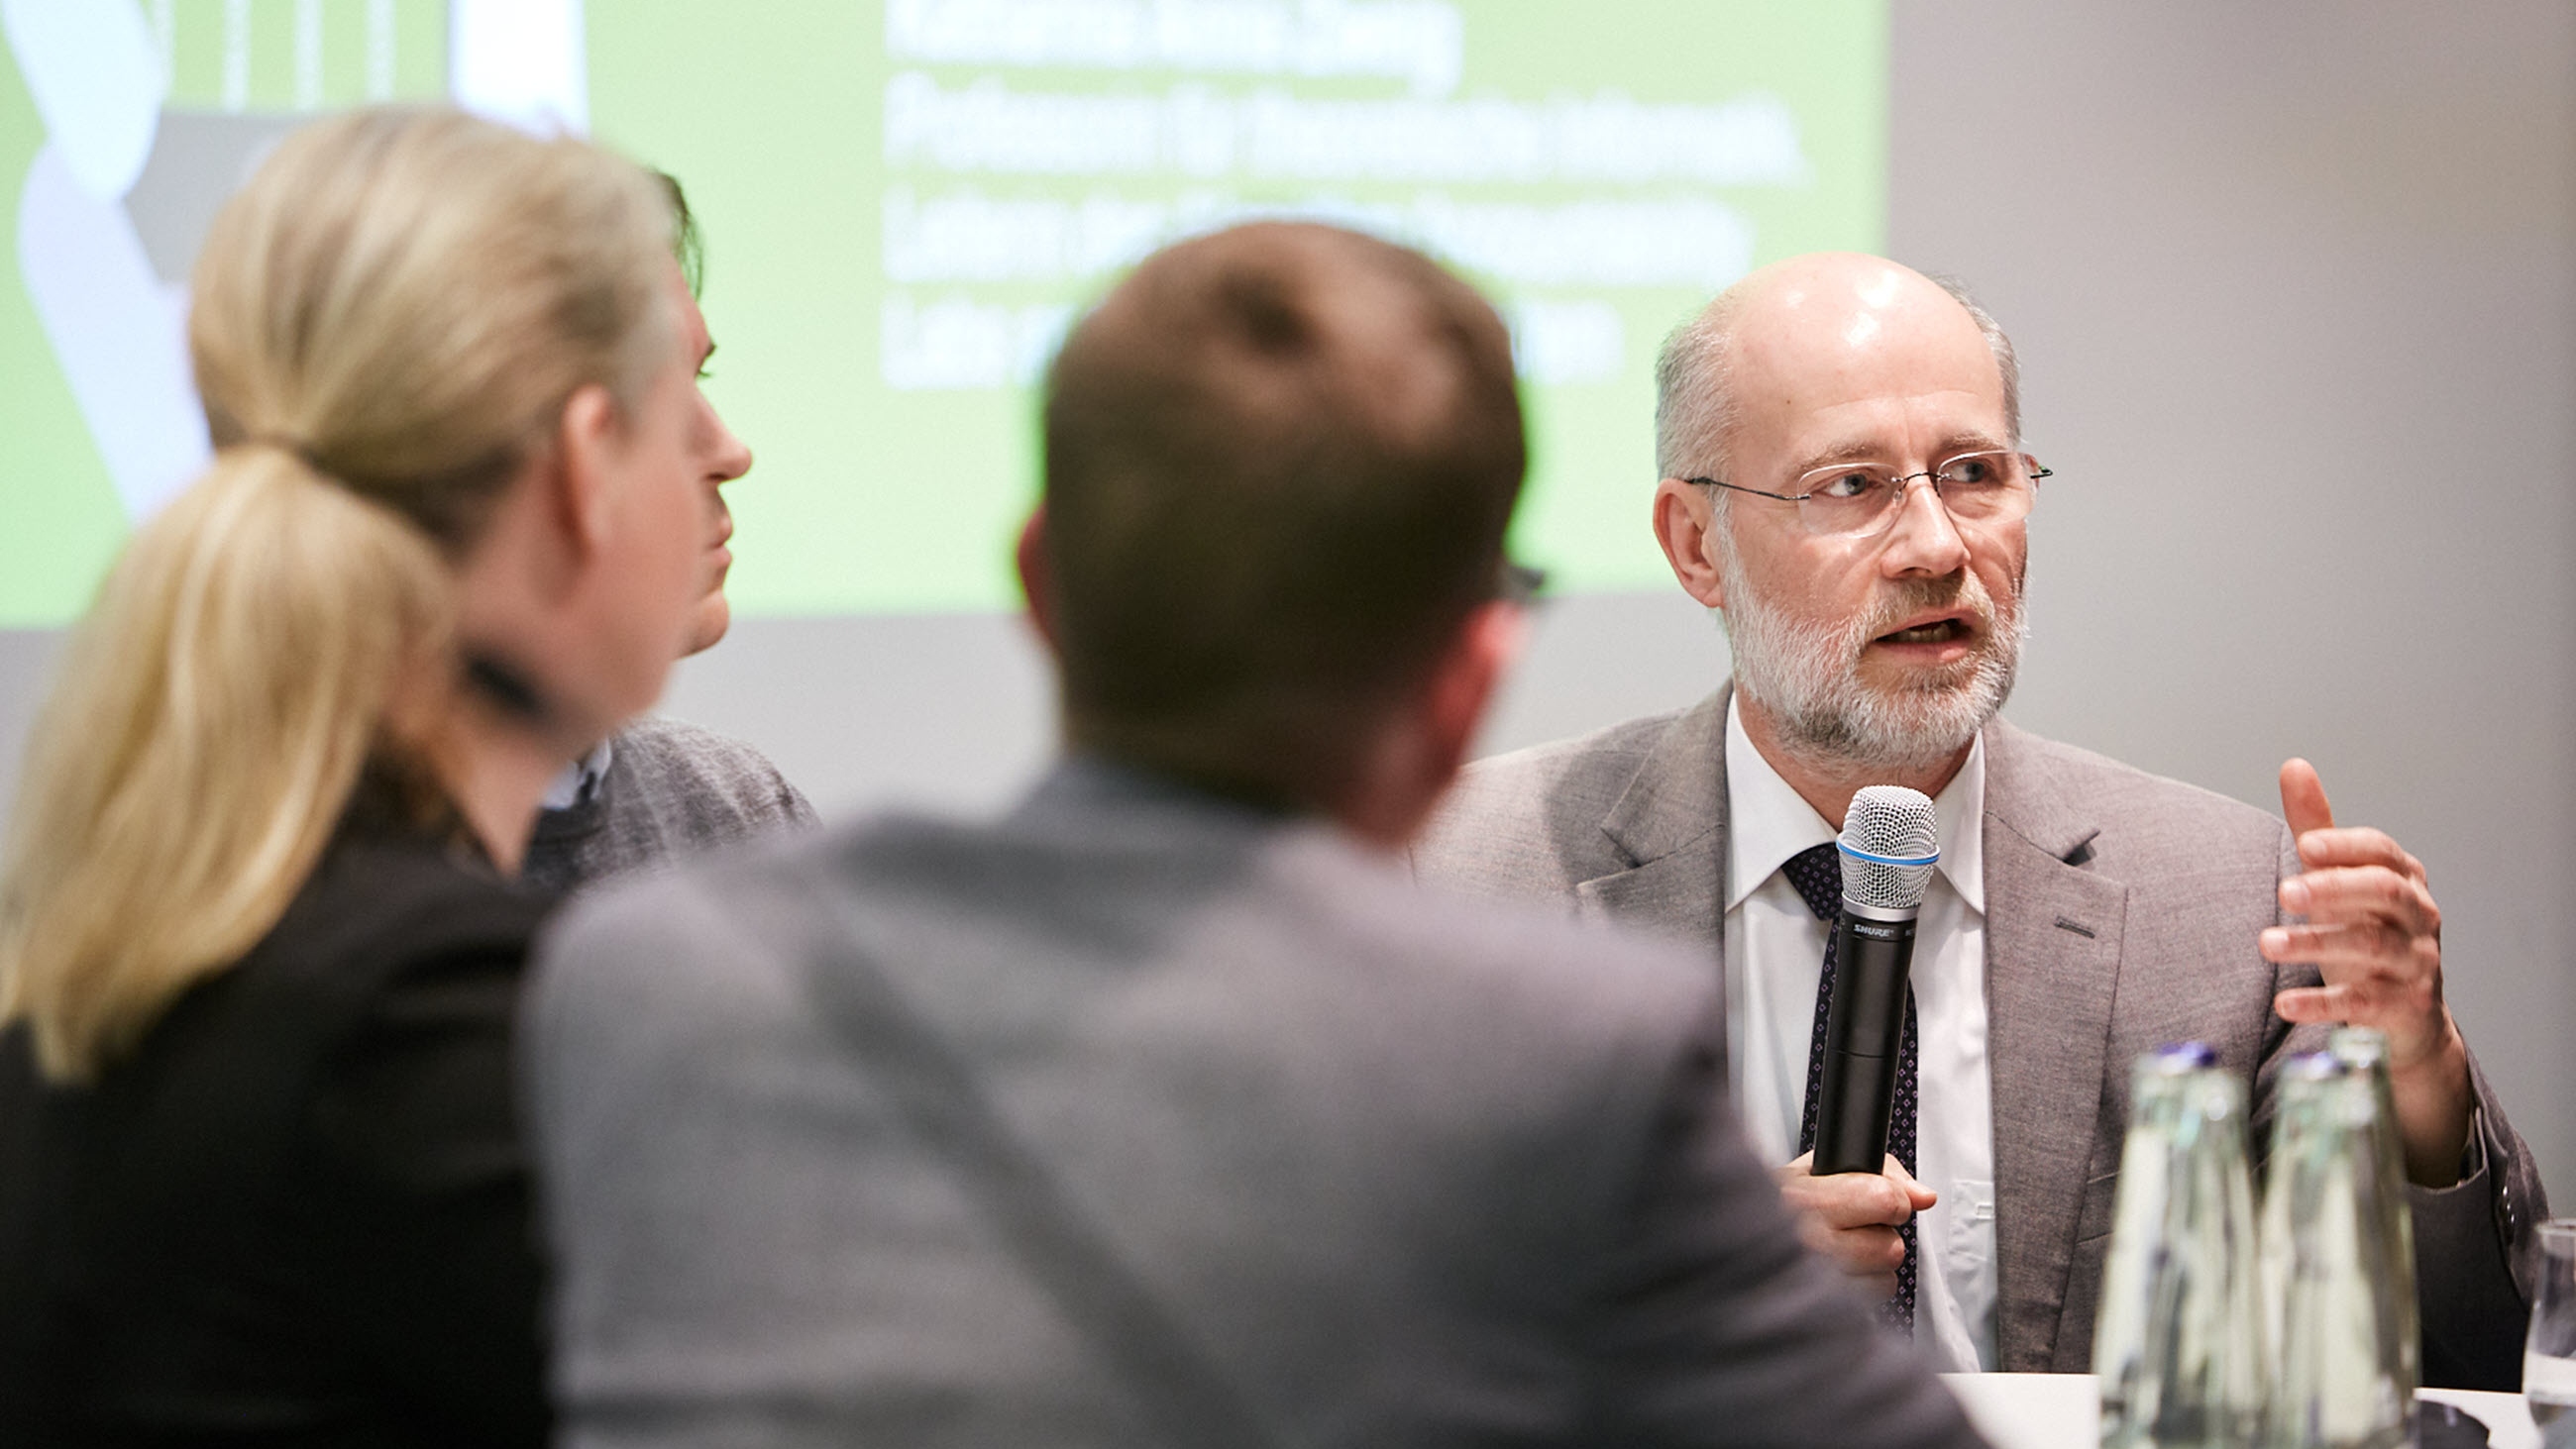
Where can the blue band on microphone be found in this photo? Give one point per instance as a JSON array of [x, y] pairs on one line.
[[1932, 859]]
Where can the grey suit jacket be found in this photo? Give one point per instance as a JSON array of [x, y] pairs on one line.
[[1405, 1170], [671, 789], [2122, 913]]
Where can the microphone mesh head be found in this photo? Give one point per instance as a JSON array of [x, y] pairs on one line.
[[1889, 820]]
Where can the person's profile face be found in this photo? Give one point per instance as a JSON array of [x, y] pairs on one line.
[[720, 458], [655, 555]]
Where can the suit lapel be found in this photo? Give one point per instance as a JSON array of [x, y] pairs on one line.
[[1670, 823], [2053, 934], [2053, 931]]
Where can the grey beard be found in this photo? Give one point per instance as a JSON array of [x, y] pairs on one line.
[[1807, 678]]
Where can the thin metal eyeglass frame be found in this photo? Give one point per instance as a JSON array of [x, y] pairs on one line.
[[1520, 584], [1901, 480]]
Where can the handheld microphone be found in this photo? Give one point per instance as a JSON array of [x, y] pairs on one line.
[[1889, 843]]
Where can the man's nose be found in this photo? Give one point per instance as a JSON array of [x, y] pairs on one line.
[[735, 460], [1924, 538], [728, 457]]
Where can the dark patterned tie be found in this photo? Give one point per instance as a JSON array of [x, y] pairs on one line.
[[1817, 872]]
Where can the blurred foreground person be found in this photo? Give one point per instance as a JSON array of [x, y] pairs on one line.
[[259, 1177], [1165, 1110], [663, 788]]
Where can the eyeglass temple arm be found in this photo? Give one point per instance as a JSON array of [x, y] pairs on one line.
[[1756, 492], [2037, 472]]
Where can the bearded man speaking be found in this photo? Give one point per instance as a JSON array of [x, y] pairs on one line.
[[1844, 482]]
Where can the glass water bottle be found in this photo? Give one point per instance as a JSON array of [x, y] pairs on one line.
[[2365, 1049], [2344, 1366], [2179, 1346], [2549, 1355]]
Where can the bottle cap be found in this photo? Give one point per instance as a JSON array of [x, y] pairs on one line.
[[2314, 1067], [2183, 1056]]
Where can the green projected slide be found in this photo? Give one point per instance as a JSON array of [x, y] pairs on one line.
[[907, 202]]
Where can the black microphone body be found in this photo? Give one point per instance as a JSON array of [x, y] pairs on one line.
[[1864, 1027], [1890, 842]]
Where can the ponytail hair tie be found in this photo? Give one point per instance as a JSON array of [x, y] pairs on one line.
[[300, 451]]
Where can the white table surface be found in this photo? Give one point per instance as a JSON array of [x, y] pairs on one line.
[[2064, 1411]]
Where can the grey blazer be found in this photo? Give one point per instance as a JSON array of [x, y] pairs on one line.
[[2122, 913], [1404, 1170], [671, 789]]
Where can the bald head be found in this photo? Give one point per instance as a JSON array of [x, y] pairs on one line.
[[1810, 331], [1279, 463]]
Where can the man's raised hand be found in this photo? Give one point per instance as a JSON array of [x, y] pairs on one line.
[[2375, 935]]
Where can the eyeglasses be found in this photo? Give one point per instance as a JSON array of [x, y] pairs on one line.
[[1845, 500], [1519, 583]]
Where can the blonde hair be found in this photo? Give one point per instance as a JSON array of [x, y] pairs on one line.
[[387, 322]]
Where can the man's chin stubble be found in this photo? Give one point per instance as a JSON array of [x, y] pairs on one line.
[[1897, 736], [1808, 680], [1843, 722]]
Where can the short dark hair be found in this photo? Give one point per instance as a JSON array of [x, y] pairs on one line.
[[687, 242], [1280, 460]]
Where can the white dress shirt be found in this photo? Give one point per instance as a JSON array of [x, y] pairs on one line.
[[1775, 951]]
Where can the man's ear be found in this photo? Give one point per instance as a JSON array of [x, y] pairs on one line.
[[1413, 759], [1467, 681], [1037, 582], [1685, 524], [581, 477]]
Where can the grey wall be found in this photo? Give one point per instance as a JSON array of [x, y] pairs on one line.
[[2295, 285]]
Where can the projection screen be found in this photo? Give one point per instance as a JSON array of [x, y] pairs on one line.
[[907, 203]]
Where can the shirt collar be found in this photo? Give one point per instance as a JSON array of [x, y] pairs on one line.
[[1961, 809], [579, 780], [1768, 822]]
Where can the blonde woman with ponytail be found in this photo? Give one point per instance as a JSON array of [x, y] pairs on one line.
[[259, 1181]]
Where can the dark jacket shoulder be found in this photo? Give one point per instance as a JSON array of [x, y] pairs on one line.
[[300, 1197], [380, 907]]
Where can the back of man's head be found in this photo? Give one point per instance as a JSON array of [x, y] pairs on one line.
[[1279, 463]]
